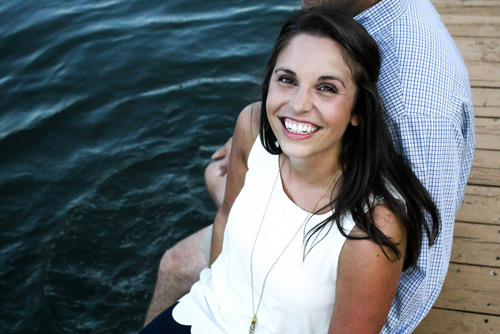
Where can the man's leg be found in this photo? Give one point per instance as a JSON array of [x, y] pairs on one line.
[[180, 268], [181, 265]]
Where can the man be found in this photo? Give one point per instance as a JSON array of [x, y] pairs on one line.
[[427, 100]]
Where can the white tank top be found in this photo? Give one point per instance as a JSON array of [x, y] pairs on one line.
[[299, 293]]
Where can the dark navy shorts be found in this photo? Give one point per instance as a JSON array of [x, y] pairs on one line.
[[165, 324]]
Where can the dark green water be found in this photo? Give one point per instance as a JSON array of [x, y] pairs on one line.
[[109, 112]]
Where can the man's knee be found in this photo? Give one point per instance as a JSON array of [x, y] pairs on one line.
[[185, 260], [172, 263]]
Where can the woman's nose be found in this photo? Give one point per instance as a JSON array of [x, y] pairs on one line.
[[302, 100]]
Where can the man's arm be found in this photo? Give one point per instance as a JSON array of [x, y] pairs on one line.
[[440, 154]]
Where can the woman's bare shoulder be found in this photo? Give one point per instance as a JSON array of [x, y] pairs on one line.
[[247, 127], [388, 223]]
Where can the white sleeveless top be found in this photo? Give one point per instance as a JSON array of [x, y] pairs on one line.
[[299, 294]]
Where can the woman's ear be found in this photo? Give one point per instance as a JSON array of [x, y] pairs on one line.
[[354, 119]]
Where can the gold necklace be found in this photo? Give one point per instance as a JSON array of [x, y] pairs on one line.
[[255, 310]]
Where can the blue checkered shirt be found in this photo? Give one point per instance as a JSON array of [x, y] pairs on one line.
[[426, 95]]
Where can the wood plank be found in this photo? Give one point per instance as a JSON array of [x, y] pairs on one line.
[[472, 289], [485, 49], [465, 3], [471, 21], [476, 244], [471, 26], [445, 321], [473, 12], [481, 205], [483, 74], [487, 133], [486, 102], [485, 168]]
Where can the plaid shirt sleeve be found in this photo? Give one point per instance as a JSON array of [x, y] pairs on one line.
[[426, 96], [435, 148]]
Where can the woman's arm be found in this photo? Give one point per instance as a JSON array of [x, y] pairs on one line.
[[244, 136], [367, 280]]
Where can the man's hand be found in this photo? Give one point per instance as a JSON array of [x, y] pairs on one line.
[[223, 155]]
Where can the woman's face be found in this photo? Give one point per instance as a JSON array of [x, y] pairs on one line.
[[310, 99]]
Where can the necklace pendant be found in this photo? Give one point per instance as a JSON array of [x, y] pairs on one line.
[[252, 325]]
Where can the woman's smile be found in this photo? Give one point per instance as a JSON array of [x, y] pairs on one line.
[[299, 127]]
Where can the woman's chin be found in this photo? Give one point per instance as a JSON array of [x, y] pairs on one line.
[[294, 151]]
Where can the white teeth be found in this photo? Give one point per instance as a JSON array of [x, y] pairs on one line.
[[301, 129]]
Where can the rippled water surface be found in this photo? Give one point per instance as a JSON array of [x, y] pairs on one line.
[[109, 113]]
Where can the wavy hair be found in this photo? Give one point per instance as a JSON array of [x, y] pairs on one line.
[[370, 164]]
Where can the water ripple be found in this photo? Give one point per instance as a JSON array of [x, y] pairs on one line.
[[200, 81], [13, 123]]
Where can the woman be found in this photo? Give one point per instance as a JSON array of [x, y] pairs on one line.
[[320, 214]]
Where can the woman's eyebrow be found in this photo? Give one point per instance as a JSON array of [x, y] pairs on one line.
[[285, 70], [331, 77]]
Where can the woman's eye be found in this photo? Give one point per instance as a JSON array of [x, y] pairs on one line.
[[286, 80], [328, 88]]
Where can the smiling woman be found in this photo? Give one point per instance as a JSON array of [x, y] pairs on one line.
[[320, 214]]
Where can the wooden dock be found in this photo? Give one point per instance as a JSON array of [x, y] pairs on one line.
[[470, 299]]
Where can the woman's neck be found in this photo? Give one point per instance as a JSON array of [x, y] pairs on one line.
[[305, 181], [312, 172]]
